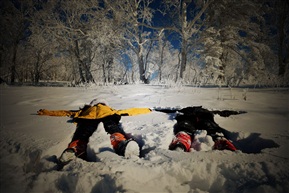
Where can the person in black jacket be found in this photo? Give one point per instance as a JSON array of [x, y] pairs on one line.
[[192, 119]]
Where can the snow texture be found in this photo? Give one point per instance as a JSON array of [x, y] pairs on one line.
[[31, 143]]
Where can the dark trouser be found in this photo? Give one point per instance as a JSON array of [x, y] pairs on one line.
[[184, 131], [185, 127], [218, 134], [85, 129], [211, 127]]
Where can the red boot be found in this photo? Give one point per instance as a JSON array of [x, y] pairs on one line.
[[116, 139], [75, 149], [223, 143], [123, 146], [182, 141]]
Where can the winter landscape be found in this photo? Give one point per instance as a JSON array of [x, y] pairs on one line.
[[29, 143], [218, 54]]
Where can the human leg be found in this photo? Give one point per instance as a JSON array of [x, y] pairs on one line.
[[224, 144], [121, 143], [78, 145], [219, 135], [221, 141], [181, 141], [183, 131]]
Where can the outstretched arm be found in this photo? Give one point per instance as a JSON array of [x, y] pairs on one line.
[[59, 113], [227, 113], [133, 111], [167, 109], [222, 113]]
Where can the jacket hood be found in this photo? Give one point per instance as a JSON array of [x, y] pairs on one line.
[[97, 101]]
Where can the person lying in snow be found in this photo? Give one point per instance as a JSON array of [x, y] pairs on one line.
[[190, 120], [87, 120]]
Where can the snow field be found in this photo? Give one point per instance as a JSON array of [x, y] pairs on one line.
[[29, 143]]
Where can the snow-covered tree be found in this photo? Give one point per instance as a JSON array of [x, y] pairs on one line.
[[131, 15], [41, 45], [85, 34], [186, 18], [211, 54], [14, 31], [226, 40], [106, 38], [278, 16], [235, 41], [164, 60]]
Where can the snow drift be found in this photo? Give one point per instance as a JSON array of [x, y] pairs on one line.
[[31, 143]]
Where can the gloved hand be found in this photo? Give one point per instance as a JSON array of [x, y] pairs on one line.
[[42, 112]]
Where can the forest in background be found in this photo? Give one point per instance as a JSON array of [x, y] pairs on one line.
[[200, 42]]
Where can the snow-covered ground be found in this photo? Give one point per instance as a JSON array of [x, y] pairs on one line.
[[29, 142]]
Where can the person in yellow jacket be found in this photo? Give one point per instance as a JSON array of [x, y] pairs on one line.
[[87, 120]]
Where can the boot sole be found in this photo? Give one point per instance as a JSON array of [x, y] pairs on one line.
[[132, 150]]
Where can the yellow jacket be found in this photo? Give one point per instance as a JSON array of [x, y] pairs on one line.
[[94, 112]]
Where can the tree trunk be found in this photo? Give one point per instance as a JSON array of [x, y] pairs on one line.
[[109, 73], [89, 77], [80, 71], [178, 66], [162, 48], [183, 58], [36, 69], [104, 72], [79, 62], [142, 70], [283, 6], [184, 38], [13, 66]]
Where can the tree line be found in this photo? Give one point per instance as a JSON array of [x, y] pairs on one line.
[[225, 42]]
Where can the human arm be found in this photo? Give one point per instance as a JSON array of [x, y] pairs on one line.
[[227, 113], [133, 111], [59, 113], [192, 110]]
